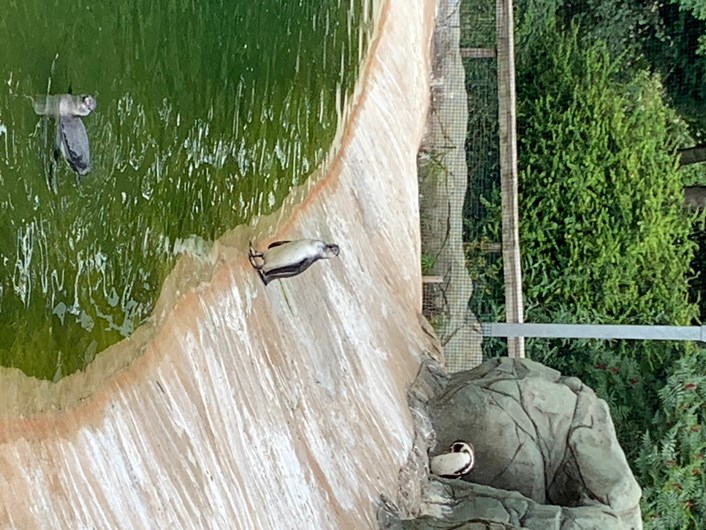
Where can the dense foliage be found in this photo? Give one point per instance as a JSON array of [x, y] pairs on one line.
[[668, 37], [671, 462], [605, 239], [603, 230]]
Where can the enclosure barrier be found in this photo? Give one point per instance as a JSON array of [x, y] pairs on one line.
[[593, 331], [507, 132]]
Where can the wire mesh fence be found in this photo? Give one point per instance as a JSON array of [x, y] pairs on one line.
[[482, 203], [612, 174], [479, 196]]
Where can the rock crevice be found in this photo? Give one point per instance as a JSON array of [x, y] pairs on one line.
[[565, 475]]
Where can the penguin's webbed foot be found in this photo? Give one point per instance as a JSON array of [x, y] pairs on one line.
[[253, 255]]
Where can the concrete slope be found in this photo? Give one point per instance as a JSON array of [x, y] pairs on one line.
[[241, 406]]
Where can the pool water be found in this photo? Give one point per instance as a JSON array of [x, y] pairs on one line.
[[208, 114]]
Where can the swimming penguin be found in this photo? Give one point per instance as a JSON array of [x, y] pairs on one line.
[[457, 462], [71, 140], [284, 259], [72, 143]]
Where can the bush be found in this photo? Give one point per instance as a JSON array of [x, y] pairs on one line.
[[671, 462], [605, 240], [603, 230]]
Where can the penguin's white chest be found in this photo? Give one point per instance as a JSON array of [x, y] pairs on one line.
[[457, 462], [292, 253]]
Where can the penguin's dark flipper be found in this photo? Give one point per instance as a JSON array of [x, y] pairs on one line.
[[264, 277], [278, 243]]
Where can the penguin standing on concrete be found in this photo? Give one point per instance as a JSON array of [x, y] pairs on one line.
[[458, 461], [284, 259]]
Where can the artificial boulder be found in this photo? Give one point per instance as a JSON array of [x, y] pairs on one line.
[[468, 506], [535, 432]]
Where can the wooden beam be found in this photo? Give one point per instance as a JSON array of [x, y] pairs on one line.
[[484, 247], [692, 155], [478, 53], [514, 312]]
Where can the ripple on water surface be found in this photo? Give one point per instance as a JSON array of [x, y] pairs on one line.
[[208, 113]]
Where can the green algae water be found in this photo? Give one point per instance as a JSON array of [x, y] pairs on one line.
[[208, 113]]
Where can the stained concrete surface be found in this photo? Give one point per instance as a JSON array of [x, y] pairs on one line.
[[240, 406]]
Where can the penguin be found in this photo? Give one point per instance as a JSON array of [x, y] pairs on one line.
[[458, 461], [61, 105], [284, 259], [71, 141], [72, 144]]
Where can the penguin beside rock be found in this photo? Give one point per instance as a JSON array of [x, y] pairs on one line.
[[284, 259], [456, 462]]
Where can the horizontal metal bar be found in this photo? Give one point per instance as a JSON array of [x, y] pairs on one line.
[[594, 331]]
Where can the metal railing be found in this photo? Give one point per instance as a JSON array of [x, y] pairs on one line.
[[593, 331]]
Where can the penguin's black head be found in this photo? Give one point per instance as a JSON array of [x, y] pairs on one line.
[[89, 102], [331, 250], [461, 447]]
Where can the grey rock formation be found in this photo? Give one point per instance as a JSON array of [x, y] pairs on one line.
[[475, 507], [546, 454]]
